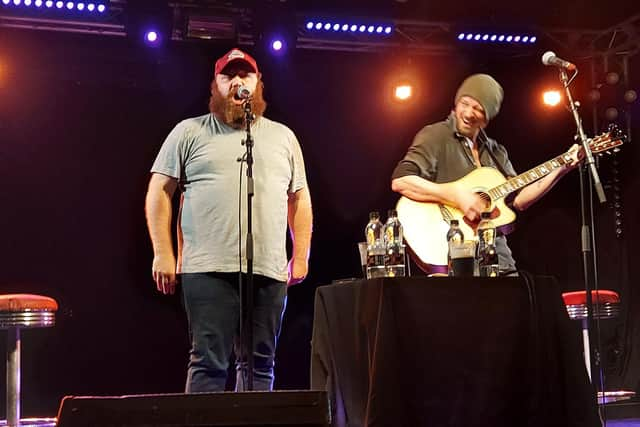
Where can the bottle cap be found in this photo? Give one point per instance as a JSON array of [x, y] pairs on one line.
[[374, 215], [485, 215], [392, 213], [454, 222]]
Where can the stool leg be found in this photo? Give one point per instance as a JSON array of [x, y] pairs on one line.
[[585, 344], [13, 377]]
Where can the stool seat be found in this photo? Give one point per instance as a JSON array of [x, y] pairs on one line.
[[27, 311], [597, 297], [606, 304]]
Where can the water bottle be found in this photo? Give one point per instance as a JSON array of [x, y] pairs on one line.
[[394, 251], [487, 254], [454, 235], [375, 247]]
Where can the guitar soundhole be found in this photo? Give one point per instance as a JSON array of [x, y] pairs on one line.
[[485, 197]]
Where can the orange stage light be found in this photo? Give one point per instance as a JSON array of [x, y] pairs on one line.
[[551, 98], [403, 92]]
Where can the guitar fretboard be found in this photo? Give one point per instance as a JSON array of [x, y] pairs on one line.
[[528, 177]]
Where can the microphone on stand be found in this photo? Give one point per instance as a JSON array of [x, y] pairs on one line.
[[550, 58], [242, 93]]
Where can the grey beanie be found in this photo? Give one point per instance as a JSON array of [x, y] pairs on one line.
[[484, 89]]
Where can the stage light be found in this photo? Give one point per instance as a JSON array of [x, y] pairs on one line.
[[388, 30], [345, 27], [551, 98], [533, 39], [59, 4], [151, 36], [277, 45], [80, 6], [516, 39], [70, 5], [91, 7], [16, 2], [6, 1], [309, 25], [493, 37], [27, 2], [403, 92], [525, 39], [476, 37], [371, 29], [379, 30], [354, 28], [363, 28], [101, 8], [485, 37], [336, 27], [630, 96], [49, 3], [319, 26], [461, 36], [327, 26]]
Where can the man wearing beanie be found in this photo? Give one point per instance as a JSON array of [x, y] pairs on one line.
[[200, 157], [444, 152]]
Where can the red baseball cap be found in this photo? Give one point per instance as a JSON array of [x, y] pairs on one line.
[[235, 54]]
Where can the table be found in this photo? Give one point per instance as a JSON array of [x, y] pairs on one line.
[[442, 351]]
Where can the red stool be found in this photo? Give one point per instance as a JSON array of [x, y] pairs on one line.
[[605, 304], [19, 311]]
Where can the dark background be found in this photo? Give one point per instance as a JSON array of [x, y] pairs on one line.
[[82, 118]]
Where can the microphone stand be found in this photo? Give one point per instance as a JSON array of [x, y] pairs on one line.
[[246, 307], [590, 268]]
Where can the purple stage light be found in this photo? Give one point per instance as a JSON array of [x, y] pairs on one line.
[[533, 39], [485, 37], [27, 2], [91, 7], [16, 2], [70, 5], [370, 29], [309, 25], [101, 8], [388, 30], [362, 28], [345, 27], [379, 29], [461, 36], [49, 3], [59, 4], [6, 1], [277, 45], [354, 28], [327, 26], [319, 26], [151, 37], [336, 27]]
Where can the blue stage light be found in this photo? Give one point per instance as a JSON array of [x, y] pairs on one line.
[[493, 37], [354, 28], [379, 29], [516, 39], [101, 8], [485, 37], [309, 25], [327, 26], [336, 27], [91, 7], [277, 45], [6, 1], [461, 36], [49, 3], [70, 5], [533, 39], [501, 38], [388, 30], [27, 2], [319, 26], [345, 27], [362, 28], [151, 36]]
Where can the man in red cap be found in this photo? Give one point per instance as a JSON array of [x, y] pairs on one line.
[[200, 156]]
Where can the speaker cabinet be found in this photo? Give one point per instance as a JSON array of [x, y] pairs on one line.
[[277, 408]]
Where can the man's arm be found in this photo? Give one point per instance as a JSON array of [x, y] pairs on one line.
[[158, 212], [534, 192], [300, 219], [450, 193]]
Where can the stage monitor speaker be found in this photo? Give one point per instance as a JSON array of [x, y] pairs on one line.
[[277, 408]]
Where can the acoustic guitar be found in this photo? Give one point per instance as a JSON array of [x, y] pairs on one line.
[[426, 223]]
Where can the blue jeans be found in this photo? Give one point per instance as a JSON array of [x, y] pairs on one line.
[[212, 305]]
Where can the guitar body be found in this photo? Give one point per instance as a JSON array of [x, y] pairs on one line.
[[426, 224]]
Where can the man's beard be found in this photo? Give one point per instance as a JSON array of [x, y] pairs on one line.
[[230, 112]]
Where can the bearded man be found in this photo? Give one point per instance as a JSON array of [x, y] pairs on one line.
[[200, 156]]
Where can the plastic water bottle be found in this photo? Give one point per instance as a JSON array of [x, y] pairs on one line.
[[487, 254], [394, 251], [454, 235], [375, 247]]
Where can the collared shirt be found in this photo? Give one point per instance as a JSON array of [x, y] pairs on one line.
[[439, 153]]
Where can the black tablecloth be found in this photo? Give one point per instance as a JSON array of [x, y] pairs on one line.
[[449, 352]]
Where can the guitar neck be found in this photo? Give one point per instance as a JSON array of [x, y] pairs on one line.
[[528, 177]]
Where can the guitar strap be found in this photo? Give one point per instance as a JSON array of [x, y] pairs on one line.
[[485, 143]]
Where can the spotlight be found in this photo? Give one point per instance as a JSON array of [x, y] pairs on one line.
[[362, 28], [91, 7], [27, 2], [345, 27], [354, 28], [6, 1], [309, 25], [336, 27], [59, 4], [493, 37], [16, 2], [509, 38], [379, 30], [477, 37], [630, 96], [485, 37], [49, 3], [327, 26], [80, 6], [70, 5], [533, 39], [501, 38], [388, 30], [277, 45], [319, 26], [151, 36], [551, 98], [403, 92], [38, 3], [101, 8], [469, 36], [461, 36]]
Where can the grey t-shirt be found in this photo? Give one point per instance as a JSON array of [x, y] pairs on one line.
[[202, 153]]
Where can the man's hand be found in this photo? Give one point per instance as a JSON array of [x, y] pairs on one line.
[[577, 154], [470, 203], [164, 273], [297, 271]]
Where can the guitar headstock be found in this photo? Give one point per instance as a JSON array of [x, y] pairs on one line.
[[607, 142]]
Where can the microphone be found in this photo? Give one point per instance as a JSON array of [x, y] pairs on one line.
[[242, 92], [550, 58]]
